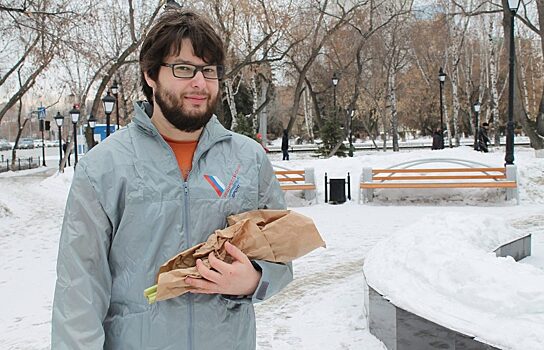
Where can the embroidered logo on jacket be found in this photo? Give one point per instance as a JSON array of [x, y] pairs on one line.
[[219, 188], [216, 184]]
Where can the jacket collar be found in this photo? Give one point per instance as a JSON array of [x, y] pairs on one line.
[[212, 133]]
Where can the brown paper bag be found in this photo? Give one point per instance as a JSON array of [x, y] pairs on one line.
[[271, 235]]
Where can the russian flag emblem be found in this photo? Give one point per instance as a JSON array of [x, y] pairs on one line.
[[216, 184]]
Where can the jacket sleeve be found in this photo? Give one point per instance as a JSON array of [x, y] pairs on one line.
[[275, 276], [83, 287]]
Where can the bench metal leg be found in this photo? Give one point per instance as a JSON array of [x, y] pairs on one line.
[[511, 175], [368, 193], [309, 177]]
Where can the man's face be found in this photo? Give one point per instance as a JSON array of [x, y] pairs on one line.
[[187, 103]]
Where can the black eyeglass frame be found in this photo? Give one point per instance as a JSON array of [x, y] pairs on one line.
[[220, 70]]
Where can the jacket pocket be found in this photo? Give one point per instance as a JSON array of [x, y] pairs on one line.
[[128, 331]]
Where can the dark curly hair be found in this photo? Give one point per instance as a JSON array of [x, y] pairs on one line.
[[165, 39]]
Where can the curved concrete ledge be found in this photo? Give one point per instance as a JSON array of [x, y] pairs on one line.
[[399, 329]]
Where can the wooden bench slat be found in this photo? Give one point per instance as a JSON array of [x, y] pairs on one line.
[[443, 170], [298, 187], [290, 179], [438, 177], [495, 184], [293, 180], [289, 172]]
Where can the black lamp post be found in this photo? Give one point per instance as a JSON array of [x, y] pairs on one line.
[[351, 114], [509, 158], [115, 91], [91, 123], [108, 102], [59, 119], [41, 119], [74, 115], [441, 79], [476, 125], [334, 83]]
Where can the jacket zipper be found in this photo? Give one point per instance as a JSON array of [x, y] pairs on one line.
[[188, 240]]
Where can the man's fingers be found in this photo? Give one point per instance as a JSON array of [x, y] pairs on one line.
[[206, 272], [220, 266], [236, 253], [201, 285]]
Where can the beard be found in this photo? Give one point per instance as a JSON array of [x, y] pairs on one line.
[[179, 115]]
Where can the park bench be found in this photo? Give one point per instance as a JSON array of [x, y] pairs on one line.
[[466, 174], [298, 180]]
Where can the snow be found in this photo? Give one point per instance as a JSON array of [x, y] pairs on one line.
[[435, 247]]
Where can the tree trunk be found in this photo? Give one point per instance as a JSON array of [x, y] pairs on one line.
[[394, 115], [494, 96]]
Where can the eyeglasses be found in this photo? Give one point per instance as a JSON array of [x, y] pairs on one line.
[[188, 71]]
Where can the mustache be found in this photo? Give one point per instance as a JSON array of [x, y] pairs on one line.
[[196, 93]]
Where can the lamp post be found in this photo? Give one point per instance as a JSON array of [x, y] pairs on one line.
[[91, 123], [108, 102], [41, 120], [476, 125], [509, 157], [334, 83], [441, 79], [115, 91], [42, 128], [59, 119], [74, 115], [351, 114]]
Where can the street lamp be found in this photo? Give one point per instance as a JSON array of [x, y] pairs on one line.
[[334, 83], [59, 119], [441, 79], [91, 123], [74, 115], [108, 102], [351, 114], [41, 120], [476, 125], [509, 158], [115, 91]]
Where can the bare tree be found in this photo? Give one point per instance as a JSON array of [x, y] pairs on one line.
[[33, 35], [331, 17]]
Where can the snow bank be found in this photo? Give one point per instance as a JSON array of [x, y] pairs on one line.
[[443, 268]]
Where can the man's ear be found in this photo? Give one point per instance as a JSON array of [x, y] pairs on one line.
[[150, 81]]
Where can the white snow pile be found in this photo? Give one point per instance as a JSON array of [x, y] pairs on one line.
[[443, 268]]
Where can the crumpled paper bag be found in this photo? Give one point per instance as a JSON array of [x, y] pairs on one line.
[[272, 235]]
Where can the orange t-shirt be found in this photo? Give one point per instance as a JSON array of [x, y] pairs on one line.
[[184, 151]]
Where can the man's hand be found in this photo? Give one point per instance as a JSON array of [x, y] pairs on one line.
[[238, 278]]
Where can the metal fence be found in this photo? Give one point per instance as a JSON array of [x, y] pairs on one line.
[[20, 164]]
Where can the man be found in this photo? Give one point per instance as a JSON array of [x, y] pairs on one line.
[[285, 144], [64, 148], [153, 189], [438, 139], [483, 139]]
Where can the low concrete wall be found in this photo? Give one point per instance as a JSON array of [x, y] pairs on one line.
[[399, 329]]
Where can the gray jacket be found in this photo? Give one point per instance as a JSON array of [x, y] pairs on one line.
[[128, 212]]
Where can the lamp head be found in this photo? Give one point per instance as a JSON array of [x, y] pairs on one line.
[[513, 5], [335, 79], [477, 107], [92, 122], [441, 75], [114, 88], [109, 102], [59, 119], [74, 114]]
